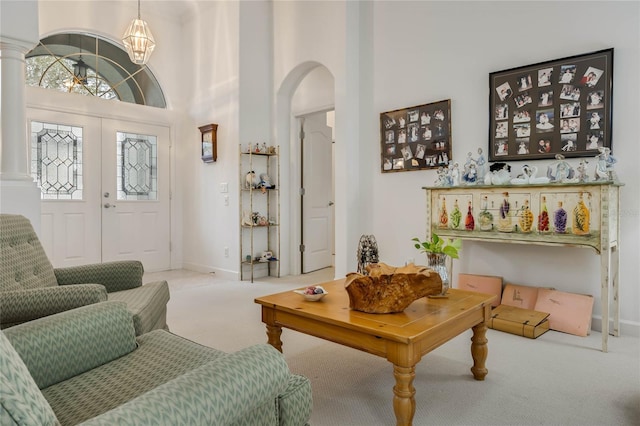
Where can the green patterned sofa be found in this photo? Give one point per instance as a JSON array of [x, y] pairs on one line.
[[31, 288], [86, 366]]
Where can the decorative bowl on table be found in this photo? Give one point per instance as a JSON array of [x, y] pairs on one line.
[[312, 293]]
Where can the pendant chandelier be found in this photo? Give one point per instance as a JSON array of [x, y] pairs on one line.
[[138, 40]]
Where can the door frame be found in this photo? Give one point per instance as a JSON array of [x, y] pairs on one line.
[[299, 177], [39, 99]]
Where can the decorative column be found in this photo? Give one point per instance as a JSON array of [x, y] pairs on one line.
[[14, 141], [18, 34]]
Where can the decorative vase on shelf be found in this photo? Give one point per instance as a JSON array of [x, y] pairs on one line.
[[469, 221], [560, 219], [543, 217], [581, 218], [438, 262], [444, 217], [456, 216], [526, 218], [504, 221], [485, 217]]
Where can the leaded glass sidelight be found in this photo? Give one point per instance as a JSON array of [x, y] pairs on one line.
[[137, 174], [56, 160]]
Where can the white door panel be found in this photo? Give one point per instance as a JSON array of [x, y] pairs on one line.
[[70, 228], [317, 210], [135, 208], [96, 226]]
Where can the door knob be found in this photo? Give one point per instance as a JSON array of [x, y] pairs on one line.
[[107, 205], [106, 195], [330, 203]]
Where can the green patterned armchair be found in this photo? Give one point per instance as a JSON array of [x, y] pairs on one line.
[[31, 288], [86, 366]]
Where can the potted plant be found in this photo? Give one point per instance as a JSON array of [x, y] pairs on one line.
[[449, 247], [437, 250]]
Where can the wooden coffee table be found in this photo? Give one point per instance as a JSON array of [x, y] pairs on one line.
[[402, 338]]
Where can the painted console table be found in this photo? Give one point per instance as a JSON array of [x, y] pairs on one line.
[[573, 215]]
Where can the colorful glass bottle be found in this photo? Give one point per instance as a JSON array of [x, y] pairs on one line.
[[456, 216], [560, 219], [485, 218], [504, 222], [444, 217], [525, 218], [469, 222], [543, 217], [581, 217]]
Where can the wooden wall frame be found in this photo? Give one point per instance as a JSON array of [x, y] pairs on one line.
[[555, 107], [209, 142], [416, 138]]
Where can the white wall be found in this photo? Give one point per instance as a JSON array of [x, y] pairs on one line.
[[428, 51]]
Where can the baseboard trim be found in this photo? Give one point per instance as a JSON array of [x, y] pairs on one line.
[[627, 328]]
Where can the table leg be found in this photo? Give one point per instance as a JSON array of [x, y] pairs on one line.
[[404, 403], [479, 351], [273, 334]]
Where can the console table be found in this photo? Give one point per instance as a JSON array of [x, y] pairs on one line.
[[568, 214]]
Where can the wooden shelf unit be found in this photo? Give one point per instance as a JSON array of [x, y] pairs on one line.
[[602, 200]]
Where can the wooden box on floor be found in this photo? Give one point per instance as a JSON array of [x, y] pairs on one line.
[[519, 321]]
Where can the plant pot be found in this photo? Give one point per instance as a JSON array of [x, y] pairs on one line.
[[438, 262]]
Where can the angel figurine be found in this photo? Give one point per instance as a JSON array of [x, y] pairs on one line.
[[560, 171]]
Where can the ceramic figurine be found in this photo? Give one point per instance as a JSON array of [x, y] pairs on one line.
[[481, 165], [604, 164], [250, 180], [499, 174], [560, 171], [581, 171], [470, 173], [455, 175]]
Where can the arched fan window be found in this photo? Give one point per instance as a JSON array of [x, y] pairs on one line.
[[89, 65]]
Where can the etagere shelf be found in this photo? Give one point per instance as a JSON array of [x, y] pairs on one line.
[[567, 214], [259, 210]]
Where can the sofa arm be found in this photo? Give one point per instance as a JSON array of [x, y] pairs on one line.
[[220, 392], [18, 306], [60, 346], [115, 276]]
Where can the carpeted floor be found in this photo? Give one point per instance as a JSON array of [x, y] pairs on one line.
[[557, 379]]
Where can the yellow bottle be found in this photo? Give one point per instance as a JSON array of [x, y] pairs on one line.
[[581, 217]]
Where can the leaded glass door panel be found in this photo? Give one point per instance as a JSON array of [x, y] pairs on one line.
[[65, 162], [135, 209]]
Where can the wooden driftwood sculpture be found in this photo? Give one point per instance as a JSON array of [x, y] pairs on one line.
[[388, 289]]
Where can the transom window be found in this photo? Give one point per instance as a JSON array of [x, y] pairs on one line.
[[92, 66]]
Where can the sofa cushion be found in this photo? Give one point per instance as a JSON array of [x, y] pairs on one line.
[[24, 263], [21, 402], [159, 358], [63, 345], [147, 303]]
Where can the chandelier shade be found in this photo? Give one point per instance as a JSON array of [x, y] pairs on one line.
[[138, 40]]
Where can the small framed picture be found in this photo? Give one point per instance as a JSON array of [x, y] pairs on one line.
[[419, 137], [554, 107], [209, 142]]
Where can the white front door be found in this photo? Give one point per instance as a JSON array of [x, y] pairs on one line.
[[74, 158], [135, 193], [317, 204]]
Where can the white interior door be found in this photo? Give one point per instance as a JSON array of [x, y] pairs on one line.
[[317, 204], [65, 159], [135, 193]]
